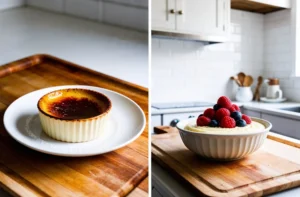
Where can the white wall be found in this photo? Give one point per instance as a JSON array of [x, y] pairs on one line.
[[278, 52], [126, 13], [6, 4], [190, 71]]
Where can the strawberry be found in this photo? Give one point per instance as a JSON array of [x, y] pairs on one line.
[[227, 122], [247, 119], [203, 121], [222, 113], [210, 113], [224, 102]]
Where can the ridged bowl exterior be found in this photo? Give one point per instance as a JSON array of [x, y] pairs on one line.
[[74, 130], [224, 147]]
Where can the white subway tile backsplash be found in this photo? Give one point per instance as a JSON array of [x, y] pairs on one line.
[[277, 48], [82, 8], [287, 83], [123, 15], [296, 83], [53, 5]]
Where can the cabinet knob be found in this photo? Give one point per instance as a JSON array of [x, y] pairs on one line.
[[172, 11], [180, 12]]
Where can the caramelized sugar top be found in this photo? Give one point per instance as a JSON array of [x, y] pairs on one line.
[[74, 108]]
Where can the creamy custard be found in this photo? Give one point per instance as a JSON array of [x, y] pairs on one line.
[[254, 126]]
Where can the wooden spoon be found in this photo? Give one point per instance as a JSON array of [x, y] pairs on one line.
[[236, 80], [260, 82], [248, 81], [256, 96], [241, 77]]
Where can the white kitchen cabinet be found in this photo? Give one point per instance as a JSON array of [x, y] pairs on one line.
[[202, 18], [162, 16]]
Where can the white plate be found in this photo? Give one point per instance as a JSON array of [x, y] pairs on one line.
[[279, 100], [127, 122]]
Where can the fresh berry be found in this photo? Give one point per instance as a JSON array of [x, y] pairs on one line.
[[232, 109], [200, 115], [214, 123], [227, 122], [222, 113], [237, 108], [216, 107], [203, 121], [241, 123], [247, 119], [224, 102], [236, 115], [210, 113]]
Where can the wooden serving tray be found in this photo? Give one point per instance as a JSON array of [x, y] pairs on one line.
[[274, 167], [25, 172]]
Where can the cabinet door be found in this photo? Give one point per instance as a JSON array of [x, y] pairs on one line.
[[252, 113], [283, 126], [202, 16], [162, 18]]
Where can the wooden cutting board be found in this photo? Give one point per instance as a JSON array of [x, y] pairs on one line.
[[25, 172], [273, 168]]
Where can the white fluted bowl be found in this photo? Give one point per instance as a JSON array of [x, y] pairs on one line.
[[223, 146]]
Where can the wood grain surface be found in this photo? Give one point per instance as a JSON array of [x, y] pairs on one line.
[[273, 168], [141, 190], [252, 6], [24, 172]]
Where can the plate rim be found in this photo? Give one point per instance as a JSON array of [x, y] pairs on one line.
[[78, 154]]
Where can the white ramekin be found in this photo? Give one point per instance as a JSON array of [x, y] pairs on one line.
[[74, 130], [223, 146]]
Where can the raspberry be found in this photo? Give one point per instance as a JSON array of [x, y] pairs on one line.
[[237, 108], [203, 121], [227, 122], [224, 102], [232, 109], [222, 113], [247, 119], [209, 112]]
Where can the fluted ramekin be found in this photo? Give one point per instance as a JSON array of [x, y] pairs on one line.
[[223, 146], [79, 129]]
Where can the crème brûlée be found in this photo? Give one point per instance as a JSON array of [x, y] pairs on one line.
[[74, 115], [254, 126]]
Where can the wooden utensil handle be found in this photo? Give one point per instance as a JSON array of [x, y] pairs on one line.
[[165, 129]]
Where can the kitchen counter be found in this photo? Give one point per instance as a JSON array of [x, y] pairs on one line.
[[111, 50], [271, 108]]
